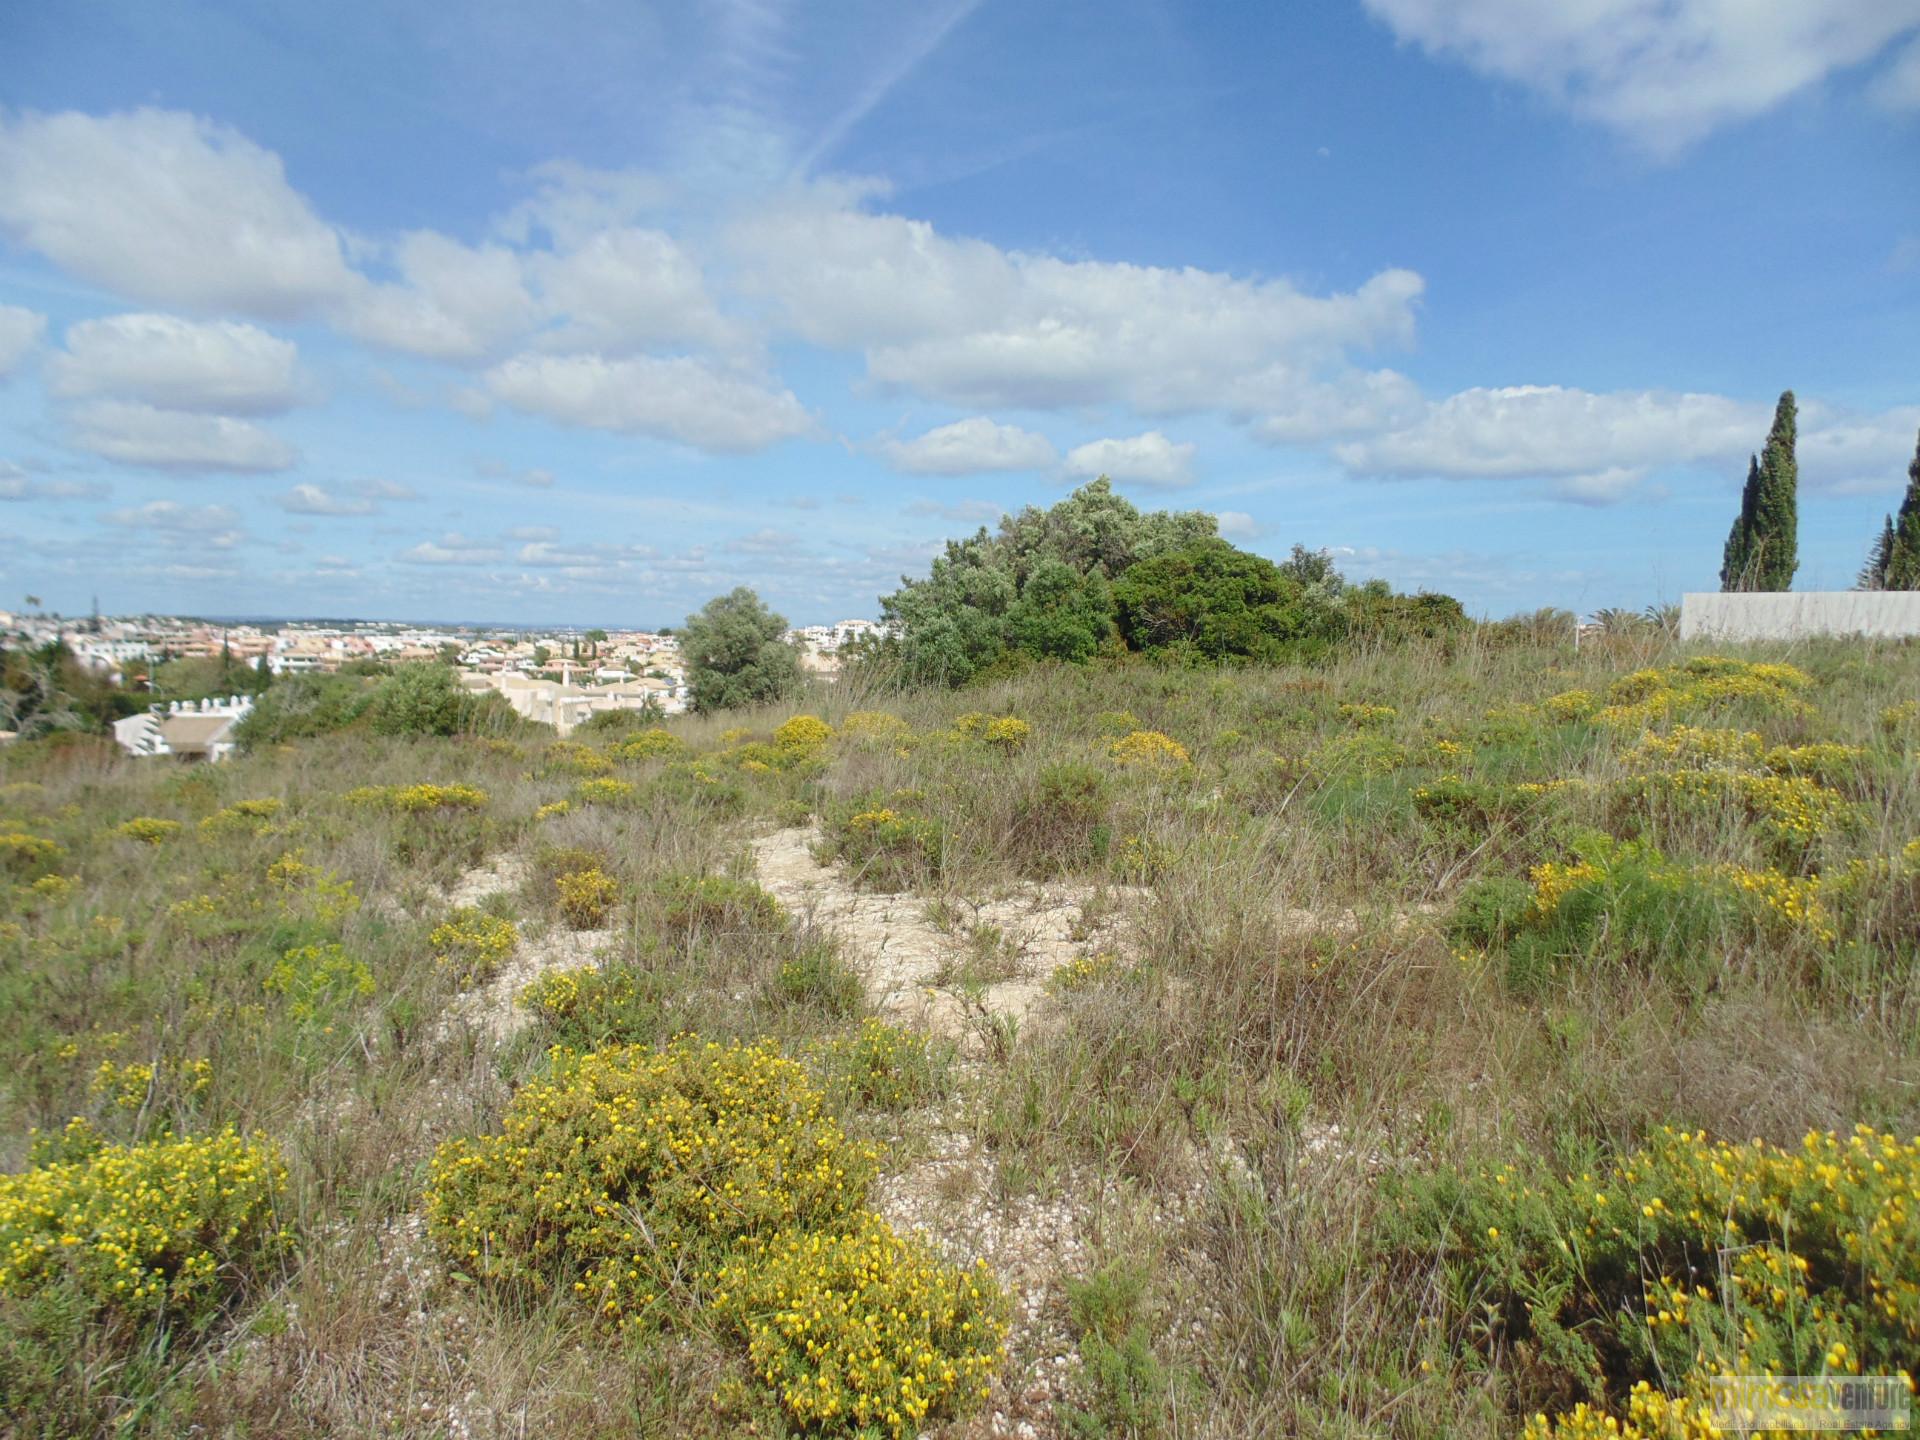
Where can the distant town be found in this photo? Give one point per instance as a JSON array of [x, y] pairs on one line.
[[557, 677]]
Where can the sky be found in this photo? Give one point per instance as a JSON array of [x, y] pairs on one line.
[[583, 311]]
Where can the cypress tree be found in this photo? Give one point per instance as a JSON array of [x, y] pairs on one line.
[[1873, 574], [1735, 566], [1903, 555], [1776, 522]]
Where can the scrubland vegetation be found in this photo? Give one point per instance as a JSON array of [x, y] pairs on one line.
[[1492, 1039]]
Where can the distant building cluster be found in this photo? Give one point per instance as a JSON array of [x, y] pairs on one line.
[[558, 678]]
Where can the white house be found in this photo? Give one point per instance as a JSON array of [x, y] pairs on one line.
[[188, 730]]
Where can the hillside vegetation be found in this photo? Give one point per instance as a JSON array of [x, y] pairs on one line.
[[1450, 1037]]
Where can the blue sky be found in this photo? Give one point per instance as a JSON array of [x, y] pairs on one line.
[[585, 311]]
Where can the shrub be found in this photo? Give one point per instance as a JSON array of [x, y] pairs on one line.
[[605, 790], [167, 1229], [1689, 1258], [627, 1174], [820, 979], [1006, 732], [861, 1329], [319, 981], [586, 896], [1150, 750], [569, 757], [648, 745], [890, 848], [422, 698], [23, 853], [1791, 811], [242, 815], [553, 810], [472, 944], [803, 732], [720, 903], [589, 1009], [418, 799], [883, 1067], [147, 830], [873, 725]]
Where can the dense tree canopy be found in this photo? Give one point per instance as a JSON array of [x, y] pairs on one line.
[[1095, 574], [736, 653]]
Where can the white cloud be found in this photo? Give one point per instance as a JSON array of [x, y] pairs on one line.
[[313, 500], [452, 549], [385, 490], [679, 399], [1898, 86], [219, 366], [17, 484], [456, 302], [20, 331], [1596, 448], [177, 519], [1662, 72], [964, 321], [628, 289], [167, 208], [969, 447], [1149, 459], [132, 433], [966, 512], [1239, 525]]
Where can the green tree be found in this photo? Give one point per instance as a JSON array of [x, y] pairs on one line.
[[1903, 555], [1212, 600], [597, 638], [1736, 564], [1776, 537], [736, 653], [1873, 574], [423, 698]]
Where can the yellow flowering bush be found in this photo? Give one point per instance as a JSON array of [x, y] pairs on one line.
[[1148, 750], [586, 896], [1570, 705], [648, 744], [1693, 1257], [625, 1172], [569, 757], [1703, 685], [472, 944], [22, 852], [1791, 810], [873, 725], [131, 1085], [318, 981], [168, 1228], [553, 810], [1359, 714], [643, 1180], [882, 1067], [605, 790], [240, 816], [803, 732], [861, 1329], [891, 848], [1084, 971], [147, 829], [586, 1009], [1006, 732], [418, 799]]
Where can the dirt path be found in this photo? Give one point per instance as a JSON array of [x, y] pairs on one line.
[[982, 969], [491, 1008]]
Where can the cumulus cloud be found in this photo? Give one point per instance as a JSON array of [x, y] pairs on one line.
[[964, 321], [627, 289], [452, 549], [1898, 86], [167, 208], [313, 500], [454, 302], [217, 366], [132, 433], [17, 484], [970, 447], [1664, 73], [679, 399], [1239, 525], [1149, 459], [20, 331], [1596, 448]]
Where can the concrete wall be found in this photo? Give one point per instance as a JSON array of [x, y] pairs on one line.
[[1787, 615]]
